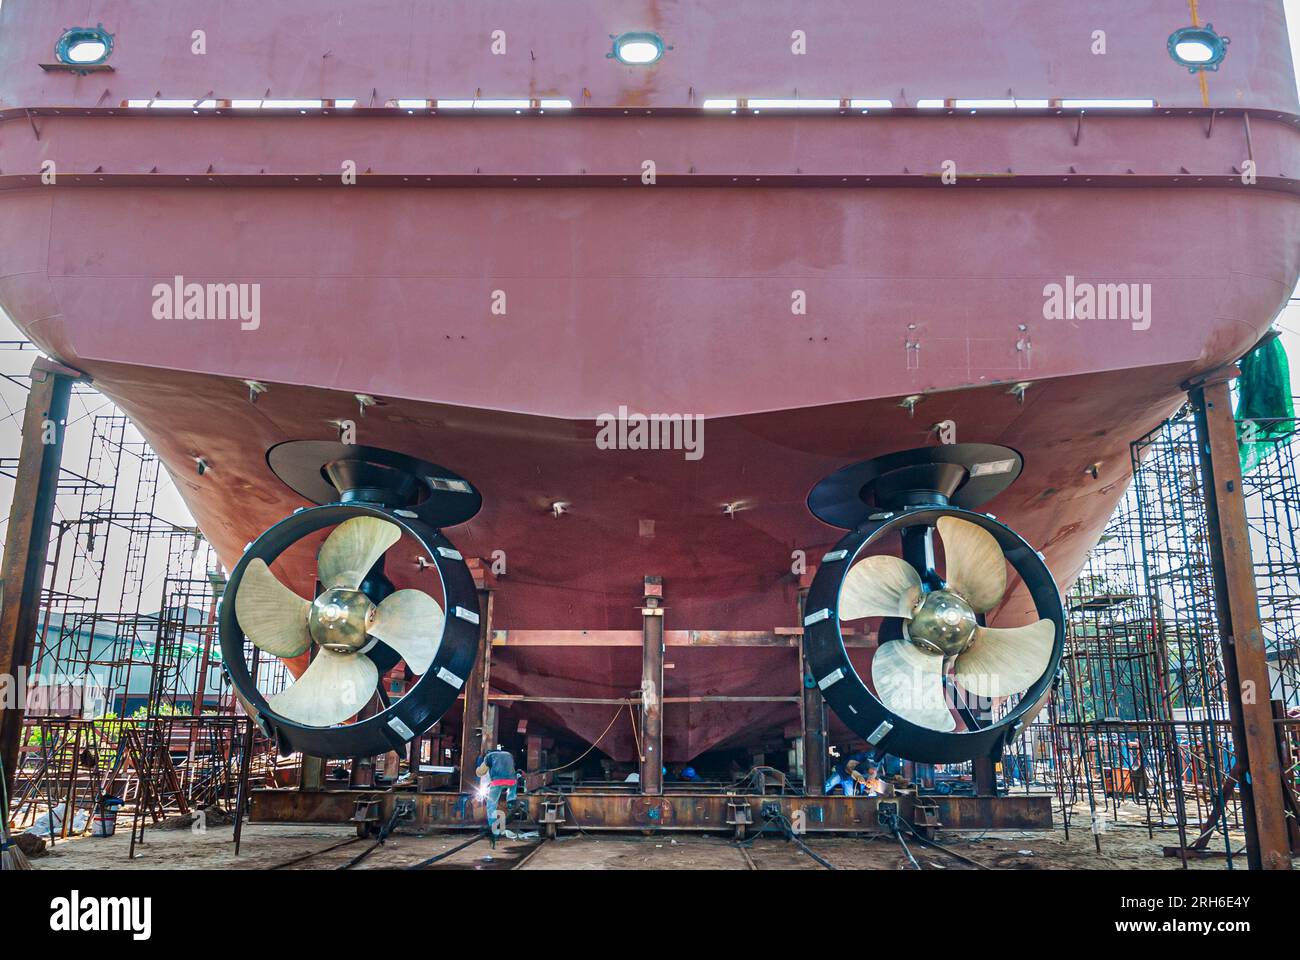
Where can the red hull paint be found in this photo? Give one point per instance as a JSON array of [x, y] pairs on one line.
[[658, 298]]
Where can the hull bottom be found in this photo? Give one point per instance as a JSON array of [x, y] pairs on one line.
[[566, 622]]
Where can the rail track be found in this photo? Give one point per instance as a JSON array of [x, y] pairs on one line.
[[512, 858]]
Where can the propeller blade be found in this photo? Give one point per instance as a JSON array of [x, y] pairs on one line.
[[880, 586], [333, 688], [352, 549], [999, 663], [243, 702], [973, 563], [272, 615], [410, 621], [909, 682]]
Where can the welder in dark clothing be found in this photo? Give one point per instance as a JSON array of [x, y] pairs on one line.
[[849, 772], [496, 773]]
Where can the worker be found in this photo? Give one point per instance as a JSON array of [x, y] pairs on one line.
[[846, 772], [890, 765], [688, 773], [871, 783], [496, 773]]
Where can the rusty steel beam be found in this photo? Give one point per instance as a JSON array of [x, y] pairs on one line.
[[652, 688], [27, 539], [669, 812], [780, 637], [474, 719], [619, 701], [1287, 762], [812, 713], [286, 805], [1012, 149], [1244, 656]]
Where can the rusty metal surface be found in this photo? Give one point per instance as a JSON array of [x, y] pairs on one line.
[[474, 704], [652, 689], [671, 812], [318, 806], [992, 149]]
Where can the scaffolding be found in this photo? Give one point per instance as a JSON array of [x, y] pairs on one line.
[[126, 697], [1140, 723], [129, 699]]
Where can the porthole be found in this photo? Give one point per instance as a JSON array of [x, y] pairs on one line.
[[84, 46], [1198, 48], [637, 49]]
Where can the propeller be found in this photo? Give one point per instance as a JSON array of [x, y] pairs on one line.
[[941, 626], [342, 622]]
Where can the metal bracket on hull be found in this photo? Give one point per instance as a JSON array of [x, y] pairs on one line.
[[962, 474], [324, 471]]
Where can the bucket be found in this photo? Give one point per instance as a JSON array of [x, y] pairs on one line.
[[105, 822]]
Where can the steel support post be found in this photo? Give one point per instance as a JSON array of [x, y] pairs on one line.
[[27, 539], [812, 716], [1242, 641], [652, 687], [474, 722], [313, 773]]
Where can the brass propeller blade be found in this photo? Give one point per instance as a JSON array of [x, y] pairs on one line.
[[973, 563], [880, 586], [352, 549], [999, 663], [909, 682], [410, 621], [333, 688], [272, 615]]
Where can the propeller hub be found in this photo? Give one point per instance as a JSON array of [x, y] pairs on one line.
[[944, 623], [340, 619]]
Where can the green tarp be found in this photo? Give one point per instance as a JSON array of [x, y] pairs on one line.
[[1265, 413]]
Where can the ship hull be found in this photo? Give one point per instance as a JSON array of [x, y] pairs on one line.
[[906, 296], [501, 286]]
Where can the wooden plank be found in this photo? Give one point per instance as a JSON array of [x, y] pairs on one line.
[[1241, 638], [27, 538]]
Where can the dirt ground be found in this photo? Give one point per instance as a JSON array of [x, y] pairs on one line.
[[1125, 844]]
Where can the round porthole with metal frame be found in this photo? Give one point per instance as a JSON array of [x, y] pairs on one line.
[[1198, 48], [84, 46], [637, 48]]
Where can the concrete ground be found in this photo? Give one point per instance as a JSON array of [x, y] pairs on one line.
[[1125, 844]]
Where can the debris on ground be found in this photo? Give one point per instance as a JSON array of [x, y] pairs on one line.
[[51, 822], [31, 844]]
